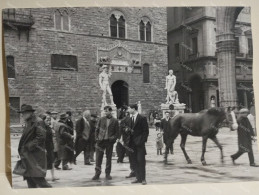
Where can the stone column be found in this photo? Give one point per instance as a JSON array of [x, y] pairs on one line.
[[226, 56]]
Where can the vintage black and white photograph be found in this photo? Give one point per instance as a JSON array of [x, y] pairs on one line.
[[123, 96]]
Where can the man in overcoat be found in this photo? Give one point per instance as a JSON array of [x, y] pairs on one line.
[[245, 136], [32, 149], [82, 136], [65, 142], [107, 132]]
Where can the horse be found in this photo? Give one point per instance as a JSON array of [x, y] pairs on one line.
[[205, 124]]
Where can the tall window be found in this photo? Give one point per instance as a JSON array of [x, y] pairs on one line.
[[117, 26], [145, 31], [14, 107], [194, 45], [146, 73], [113, 26], [62, 20], [237, 44], [142, 31], [177, 50], [10, 67], [148, 32], [250, 47]]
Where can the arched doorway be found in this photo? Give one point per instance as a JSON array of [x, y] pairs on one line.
[[120, 91], [197, 94]]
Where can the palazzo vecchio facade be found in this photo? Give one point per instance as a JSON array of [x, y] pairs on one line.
[[53, 57]]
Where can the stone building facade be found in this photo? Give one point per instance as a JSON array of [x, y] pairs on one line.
[[192, 54], [53, 57]]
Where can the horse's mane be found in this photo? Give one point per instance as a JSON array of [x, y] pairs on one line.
[[216, 111]]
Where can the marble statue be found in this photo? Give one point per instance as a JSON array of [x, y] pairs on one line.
[[104, 78], [172, 95]]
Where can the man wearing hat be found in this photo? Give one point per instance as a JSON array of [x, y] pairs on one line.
[[65, 142], [32, 148], [245, 136]]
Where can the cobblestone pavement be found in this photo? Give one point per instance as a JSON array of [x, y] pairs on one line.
[[176, 171]]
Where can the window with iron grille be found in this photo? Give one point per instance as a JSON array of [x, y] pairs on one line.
[[113, 26], [14, 105], [64, 62], [146, 73], [177, 50], [10, 67]]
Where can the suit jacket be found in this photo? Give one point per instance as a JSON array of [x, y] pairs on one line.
[[32, 148], [140, 129], [113, 129]]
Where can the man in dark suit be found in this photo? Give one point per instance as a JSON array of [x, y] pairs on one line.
[[139, 135], [106, 134], [165, 127], [32, 148], [82, 136]]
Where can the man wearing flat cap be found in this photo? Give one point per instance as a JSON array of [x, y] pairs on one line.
[[65, 142], [32, 148], [245, 136]]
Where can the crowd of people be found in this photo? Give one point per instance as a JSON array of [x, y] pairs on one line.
[[49, 143]]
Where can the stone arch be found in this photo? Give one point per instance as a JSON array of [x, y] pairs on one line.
[[226, 54]]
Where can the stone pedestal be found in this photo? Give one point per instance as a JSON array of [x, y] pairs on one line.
[[174, 109], [114, 110]]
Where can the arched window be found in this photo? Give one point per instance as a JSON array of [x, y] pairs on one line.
[[65, 21], [113, 26], [145, 30], [10, 67], [62, 20], [58, 20], [148, 31], [146, 73], [142, 31], [117, 25], [121, 27]]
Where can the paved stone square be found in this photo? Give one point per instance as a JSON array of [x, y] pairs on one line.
[[176, 171]]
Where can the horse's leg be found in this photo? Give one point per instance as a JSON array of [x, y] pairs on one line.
[[215, 140], [204, 143], [182, 145]]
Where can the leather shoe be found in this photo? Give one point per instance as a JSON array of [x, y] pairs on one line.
[[96, 177], [144, 182], [108, 177], [132, 174], [66, 168], [253, 165], [136, 181], [88, 163]]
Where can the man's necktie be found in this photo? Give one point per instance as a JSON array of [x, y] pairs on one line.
[[132, 122]]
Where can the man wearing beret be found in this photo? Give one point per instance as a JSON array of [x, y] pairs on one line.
[[32, 149]]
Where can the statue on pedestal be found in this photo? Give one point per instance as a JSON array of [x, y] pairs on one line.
[[104, 78], [172, 95]]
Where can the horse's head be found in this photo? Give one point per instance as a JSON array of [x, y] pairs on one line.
[[221, 117]]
